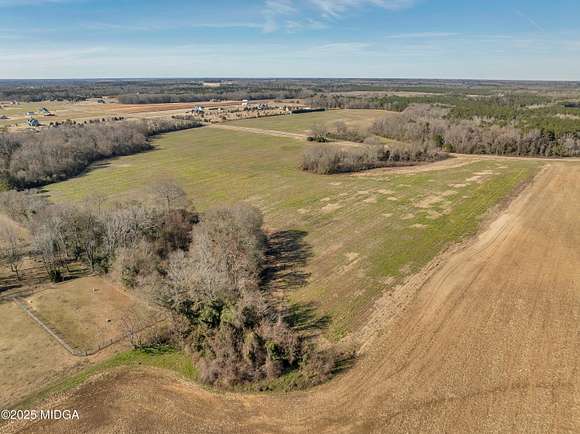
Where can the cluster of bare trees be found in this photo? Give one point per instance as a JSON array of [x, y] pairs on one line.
[[214, 288], [329, 158], [206, 270], [58, 235], [32, 159]]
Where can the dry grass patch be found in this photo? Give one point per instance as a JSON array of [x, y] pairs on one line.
[[87, 311], [29, 357]]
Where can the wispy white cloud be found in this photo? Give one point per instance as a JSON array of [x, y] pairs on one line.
[[530, 20], [334, 8], [308, 24], [285, 14], [273, 10]]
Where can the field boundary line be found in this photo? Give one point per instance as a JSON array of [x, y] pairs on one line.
[[46, 328], [75, 352]]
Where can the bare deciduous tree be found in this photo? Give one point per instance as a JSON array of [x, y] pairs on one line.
[[170, 194], [13, 249]]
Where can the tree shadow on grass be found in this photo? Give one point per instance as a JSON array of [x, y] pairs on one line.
[[305, 317], [287, 254]]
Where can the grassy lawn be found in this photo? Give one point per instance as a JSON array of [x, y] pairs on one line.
[[366, 233], [302, 123]]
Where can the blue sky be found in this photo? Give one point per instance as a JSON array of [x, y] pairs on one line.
[[488, 39]]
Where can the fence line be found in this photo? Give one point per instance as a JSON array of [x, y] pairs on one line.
[[47, 329], [75, 352]]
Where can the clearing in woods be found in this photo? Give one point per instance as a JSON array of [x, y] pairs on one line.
[[362, 235], [489, 343]]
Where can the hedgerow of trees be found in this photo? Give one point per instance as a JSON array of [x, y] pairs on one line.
[[31, 159]]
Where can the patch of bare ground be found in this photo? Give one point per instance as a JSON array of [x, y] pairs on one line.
[[259, 131], [449, 163], [485, 339]]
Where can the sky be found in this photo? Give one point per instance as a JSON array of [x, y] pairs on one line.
[[471, 39]]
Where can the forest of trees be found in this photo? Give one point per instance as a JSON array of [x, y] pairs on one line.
[[31, 159], [421, 124], [520, 110], [426, 129], [205, 270]]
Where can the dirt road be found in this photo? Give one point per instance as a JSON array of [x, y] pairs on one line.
[[489, 343], [273, 133]]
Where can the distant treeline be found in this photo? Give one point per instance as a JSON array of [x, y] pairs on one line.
[[205, 96], [148, 91], [32, 159], [78, 90]]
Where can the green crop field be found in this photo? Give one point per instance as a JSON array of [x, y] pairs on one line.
[[366, 233], [302, 123]]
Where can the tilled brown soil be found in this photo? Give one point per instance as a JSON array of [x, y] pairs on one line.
[[489, 343]]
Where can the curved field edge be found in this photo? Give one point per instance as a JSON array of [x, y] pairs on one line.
[[170, 360], [364, 235]]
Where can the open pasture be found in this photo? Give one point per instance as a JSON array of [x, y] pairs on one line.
[[302, 123], [362, 235]]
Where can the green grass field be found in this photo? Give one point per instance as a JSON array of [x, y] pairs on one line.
[[302, 123], [367, 233]]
